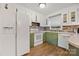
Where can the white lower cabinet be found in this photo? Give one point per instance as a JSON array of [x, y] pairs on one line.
[[63, 40]]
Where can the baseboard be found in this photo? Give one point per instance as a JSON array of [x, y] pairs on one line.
[[38, 43], [25, 53]]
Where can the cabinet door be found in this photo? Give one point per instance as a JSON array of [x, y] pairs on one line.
[[44, 37], [77, 16], [65, 17], [63, 41], [33, 16], [37, 17], [73, 50], [41, 19], [73, 15], [32, 40], [52, 38]]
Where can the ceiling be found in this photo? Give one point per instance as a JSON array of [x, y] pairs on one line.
[[50, 7]]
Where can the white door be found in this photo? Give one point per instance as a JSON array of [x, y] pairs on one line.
[[7, 30], [22, 32]]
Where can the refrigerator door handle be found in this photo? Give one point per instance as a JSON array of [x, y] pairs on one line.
[[8, 27]]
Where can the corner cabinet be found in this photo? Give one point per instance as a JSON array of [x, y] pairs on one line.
[[59, 39], [51, 38], [74, 51]]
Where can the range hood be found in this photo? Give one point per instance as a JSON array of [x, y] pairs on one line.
[[35, 24]]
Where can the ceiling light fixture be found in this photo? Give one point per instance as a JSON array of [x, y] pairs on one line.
[[42, 5]]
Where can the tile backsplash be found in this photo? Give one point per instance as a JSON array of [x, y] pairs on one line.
[[71, 28], [68, 29]]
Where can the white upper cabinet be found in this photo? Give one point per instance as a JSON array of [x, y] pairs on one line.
[[69, 16], [65, 17], [35, 17], [32, 16], [73, 15], [77, 16], [41, 19]]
